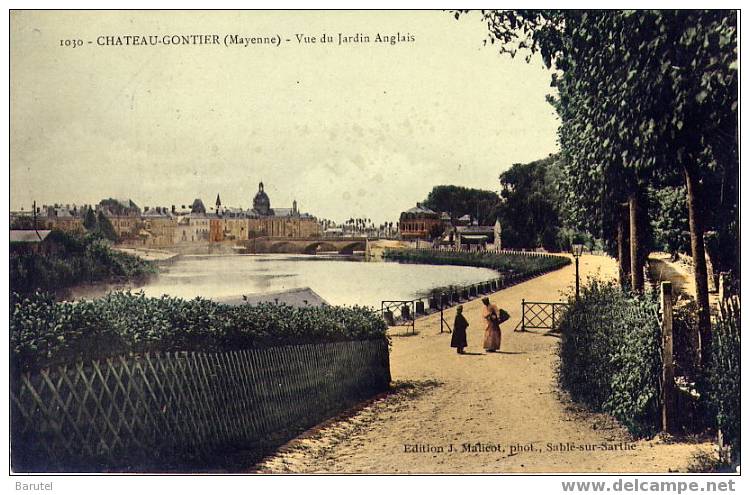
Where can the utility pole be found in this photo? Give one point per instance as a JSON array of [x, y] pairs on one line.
[[33, 206]]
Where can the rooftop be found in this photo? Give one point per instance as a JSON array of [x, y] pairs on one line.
[[420, 209], [28, 235], [476, 229]]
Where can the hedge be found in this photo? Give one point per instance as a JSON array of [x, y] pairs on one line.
[[45, 332], [610, 354], [508, 264]]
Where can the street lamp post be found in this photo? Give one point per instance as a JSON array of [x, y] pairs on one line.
[[576, 250]]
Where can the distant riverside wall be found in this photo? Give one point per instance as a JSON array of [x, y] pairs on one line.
[[292, 245]]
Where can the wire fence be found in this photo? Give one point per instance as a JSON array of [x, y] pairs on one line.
[[159, 410]]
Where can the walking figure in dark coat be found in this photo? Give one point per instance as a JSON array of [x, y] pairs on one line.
[[459, 331]]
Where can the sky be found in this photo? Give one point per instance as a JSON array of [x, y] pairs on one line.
[[356, 130]]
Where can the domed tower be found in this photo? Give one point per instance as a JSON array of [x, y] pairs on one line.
[[198, 207], [261, 203]]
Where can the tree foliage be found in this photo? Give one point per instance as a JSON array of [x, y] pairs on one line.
[[530, 206], [647, 100], [89, 220], [73, 259], [104, 227], [669, 219], [459, 201], [642, 96]]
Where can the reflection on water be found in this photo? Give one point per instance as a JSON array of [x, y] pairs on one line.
[[338, 279]]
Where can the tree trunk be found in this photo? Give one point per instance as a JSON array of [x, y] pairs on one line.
[[623, 253], [636, 270], [695, 221]]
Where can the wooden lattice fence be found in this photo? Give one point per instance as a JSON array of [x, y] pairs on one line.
[[158, 411]]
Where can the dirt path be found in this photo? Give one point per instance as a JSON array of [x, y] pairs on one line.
[[662, 268], [499, 412]]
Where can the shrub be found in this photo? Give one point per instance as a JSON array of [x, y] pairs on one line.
[[724, 374], [44, 332], [610, 354], [75, 259], [686, 341]]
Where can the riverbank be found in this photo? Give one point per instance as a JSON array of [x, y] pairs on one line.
[[375, 249], [510, 399], [68, 260], [157, 256]]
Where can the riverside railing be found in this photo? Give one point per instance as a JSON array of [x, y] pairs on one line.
[[406, 312], [533, 254], [162, 411]]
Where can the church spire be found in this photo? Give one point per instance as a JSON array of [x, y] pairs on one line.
[[218, 201]]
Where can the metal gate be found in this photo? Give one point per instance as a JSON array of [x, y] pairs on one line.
[[541, 315], [398, 313]]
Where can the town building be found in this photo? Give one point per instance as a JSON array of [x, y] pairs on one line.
[[125, 217], [236, 224], [463, 221], [444, 230], [65, 218], [280, 222], [420, 222], [68, 218], [193, 227], [477, 237], [159, 227]]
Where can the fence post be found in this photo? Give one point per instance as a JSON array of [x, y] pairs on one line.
[[667, 389], [553, 316], [441, 313], [523, 315], [723, 293]]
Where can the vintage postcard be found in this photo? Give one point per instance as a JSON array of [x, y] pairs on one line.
[[374, 242]]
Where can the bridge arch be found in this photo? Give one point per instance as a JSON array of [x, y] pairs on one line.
[[319, 246], [354, 246], [283, 247]]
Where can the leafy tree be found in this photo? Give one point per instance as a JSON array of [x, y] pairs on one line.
[[460, 201], [105, 228], [89, 220], [529, 210], [669, 219], [75, 259], [436, 231], [641, 95]]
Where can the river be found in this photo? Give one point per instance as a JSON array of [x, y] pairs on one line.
[[340, 280]]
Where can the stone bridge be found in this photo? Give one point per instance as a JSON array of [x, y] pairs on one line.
[[340, 245]]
